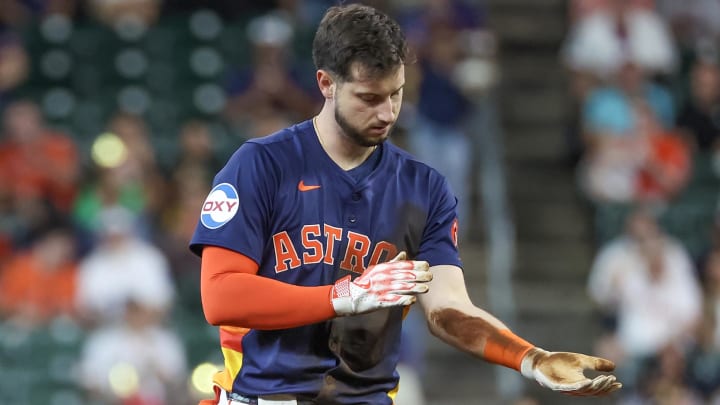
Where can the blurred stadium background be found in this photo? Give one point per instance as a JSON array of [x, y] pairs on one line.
[[554, 121]]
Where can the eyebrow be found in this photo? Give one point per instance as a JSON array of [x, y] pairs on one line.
[[374, 93]]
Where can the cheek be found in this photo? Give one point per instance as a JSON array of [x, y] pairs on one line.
[[397, 105], [357, 112]]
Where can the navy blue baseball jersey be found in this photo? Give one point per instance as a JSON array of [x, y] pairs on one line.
[[284, 203]]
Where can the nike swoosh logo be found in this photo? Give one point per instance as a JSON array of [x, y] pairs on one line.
[[303, 187]]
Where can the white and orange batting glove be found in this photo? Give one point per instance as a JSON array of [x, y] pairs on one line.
[[391, 284], [564, 372]]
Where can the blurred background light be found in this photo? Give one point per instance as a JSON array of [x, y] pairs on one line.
[[201, 379], [108, 150], [123, 379]]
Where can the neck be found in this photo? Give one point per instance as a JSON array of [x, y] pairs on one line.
[[341, 149]]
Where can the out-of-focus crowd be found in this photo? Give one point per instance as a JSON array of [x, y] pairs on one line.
[[115, 117], [645, 141], [117, 114]]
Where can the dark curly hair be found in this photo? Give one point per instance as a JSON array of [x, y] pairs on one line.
[[355, 32]]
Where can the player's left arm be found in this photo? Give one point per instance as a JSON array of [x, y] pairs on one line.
[[453, 318]]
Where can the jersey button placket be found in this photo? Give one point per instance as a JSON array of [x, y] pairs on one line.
[[355, 198]]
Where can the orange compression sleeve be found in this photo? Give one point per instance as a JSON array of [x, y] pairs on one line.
[[233, 294], [506, 348]]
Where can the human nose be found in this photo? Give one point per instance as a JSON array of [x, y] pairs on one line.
[[386, 111]]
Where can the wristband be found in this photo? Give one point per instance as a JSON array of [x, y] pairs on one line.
[[506, 349]]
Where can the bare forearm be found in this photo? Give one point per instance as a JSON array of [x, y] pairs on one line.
[[480, 334]]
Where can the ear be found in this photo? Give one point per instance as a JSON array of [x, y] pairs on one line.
[[326, 83]]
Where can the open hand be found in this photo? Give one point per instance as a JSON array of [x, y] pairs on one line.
[[564, 372]]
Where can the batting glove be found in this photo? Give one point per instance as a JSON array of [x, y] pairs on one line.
[[563, 372], [384, 285]]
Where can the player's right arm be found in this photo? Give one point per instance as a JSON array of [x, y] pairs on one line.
[[453, 318], [233, 294]]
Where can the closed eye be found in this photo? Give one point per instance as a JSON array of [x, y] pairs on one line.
[[369, 98]]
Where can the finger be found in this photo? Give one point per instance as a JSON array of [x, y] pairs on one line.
[[423, 277], [420, 265], [414, 265], [604, 364], [397, 300], [614, 387], [409, 289], [584, 391], [601, 385], [597, 363], [607, 386], [417, 276], [400, 256]]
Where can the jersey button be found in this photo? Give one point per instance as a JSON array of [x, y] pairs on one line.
[[356, 196], [352, 219]]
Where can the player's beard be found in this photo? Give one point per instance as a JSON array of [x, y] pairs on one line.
[[355, 134]]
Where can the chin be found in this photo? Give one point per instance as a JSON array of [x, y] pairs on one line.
[[376, 137], [375, 140]]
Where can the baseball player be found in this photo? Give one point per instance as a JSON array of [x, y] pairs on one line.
[[316, 239]]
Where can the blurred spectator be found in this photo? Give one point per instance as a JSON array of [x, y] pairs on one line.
[[664, 381], [645, 284], [580, 9], [692, 20], [711, 282], [608, 108], [35, 161], [189, 180], [604, 36], [667, 164], [196, 151], [700, 115], [437, 133], [232, 10], [696, 28], [616, 33], [127, 174], [631, 150], [704, 360], [111, 186], [141, 160], [189, 187], [138, 361], [122, 267], [38, 284], [270, 93], [113, 12], [7, 228], [17, 14], [14, 66]]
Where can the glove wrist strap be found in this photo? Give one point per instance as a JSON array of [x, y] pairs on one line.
[[527, 365], [341, 297]]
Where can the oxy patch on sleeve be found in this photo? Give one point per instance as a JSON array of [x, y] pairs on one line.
[[220, 206]]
